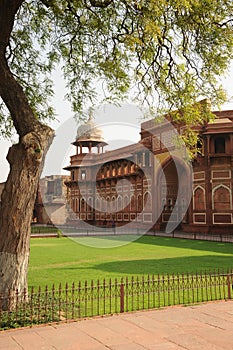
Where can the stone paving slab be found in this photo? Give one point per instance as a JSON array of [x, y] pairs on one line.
[[207, 326]]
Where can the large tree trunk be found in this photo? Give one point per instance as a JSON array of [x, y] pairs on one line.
[[18, 198], [26, 162]]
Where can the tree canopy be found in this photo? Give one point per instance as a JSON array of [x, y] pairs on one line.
[[166, 53]]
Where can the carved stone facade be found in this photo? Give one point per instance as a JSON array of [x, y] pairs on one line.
[[148, 183], [107, 186], [211, 208]]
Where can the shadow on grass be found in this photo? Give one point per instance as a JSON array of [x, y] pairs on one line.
[[162, 266], [109, 241], [218, 247], [167, 265]]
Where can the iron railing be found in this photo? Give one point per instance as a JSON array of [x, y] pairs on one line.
[[112, 296]]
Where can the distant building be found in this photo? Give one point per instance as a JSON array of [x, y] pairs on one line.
[[153, 195], [50, 205]]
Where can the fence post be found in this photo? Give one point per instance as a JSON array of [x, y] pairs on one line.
[[122, 297], [229, 285]]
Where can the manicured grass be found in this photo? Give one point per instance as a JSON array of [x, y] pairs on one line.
[[44, 229], [61, 260]]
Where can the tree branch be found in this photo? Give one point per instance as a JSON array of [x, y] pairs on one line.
[[224, 24], [10, 90], [7, 15], [13, 97], [100, 3]]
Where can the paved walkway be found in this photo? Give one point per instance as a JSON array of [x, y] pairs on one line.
[[200, 327]]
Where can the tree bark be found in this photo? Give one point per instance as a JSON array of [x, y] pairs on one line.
[[26, 162], [18, 198]]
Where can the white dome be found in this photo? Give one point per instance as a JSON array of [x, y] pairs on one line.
[[89, 132]]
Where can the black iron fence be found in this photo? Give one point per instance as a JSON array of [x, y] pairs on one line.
[[72, 232], [112, 296]]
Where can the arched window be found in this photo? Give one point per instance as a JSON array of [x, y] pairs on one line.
[[220, 145], [97, 204], [83, 175], [90, 204], [103, 204], [222, 198], [83, 205], [132, 203], [139, 203], [199, 199], [113, 204], [119, 203], [147, 201], [126, 201]]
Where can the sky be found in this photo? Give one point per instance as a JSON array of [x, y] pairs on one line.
[[120, 125]]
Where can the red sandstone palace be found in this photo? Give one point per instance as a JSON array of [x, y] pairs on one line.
[[158, 187]]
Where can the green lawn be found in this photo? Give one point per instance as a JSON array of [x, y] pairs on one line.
[[55, 260]]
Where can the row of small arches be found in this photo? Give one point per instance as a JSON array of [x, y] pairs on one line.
[[114, 204]]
